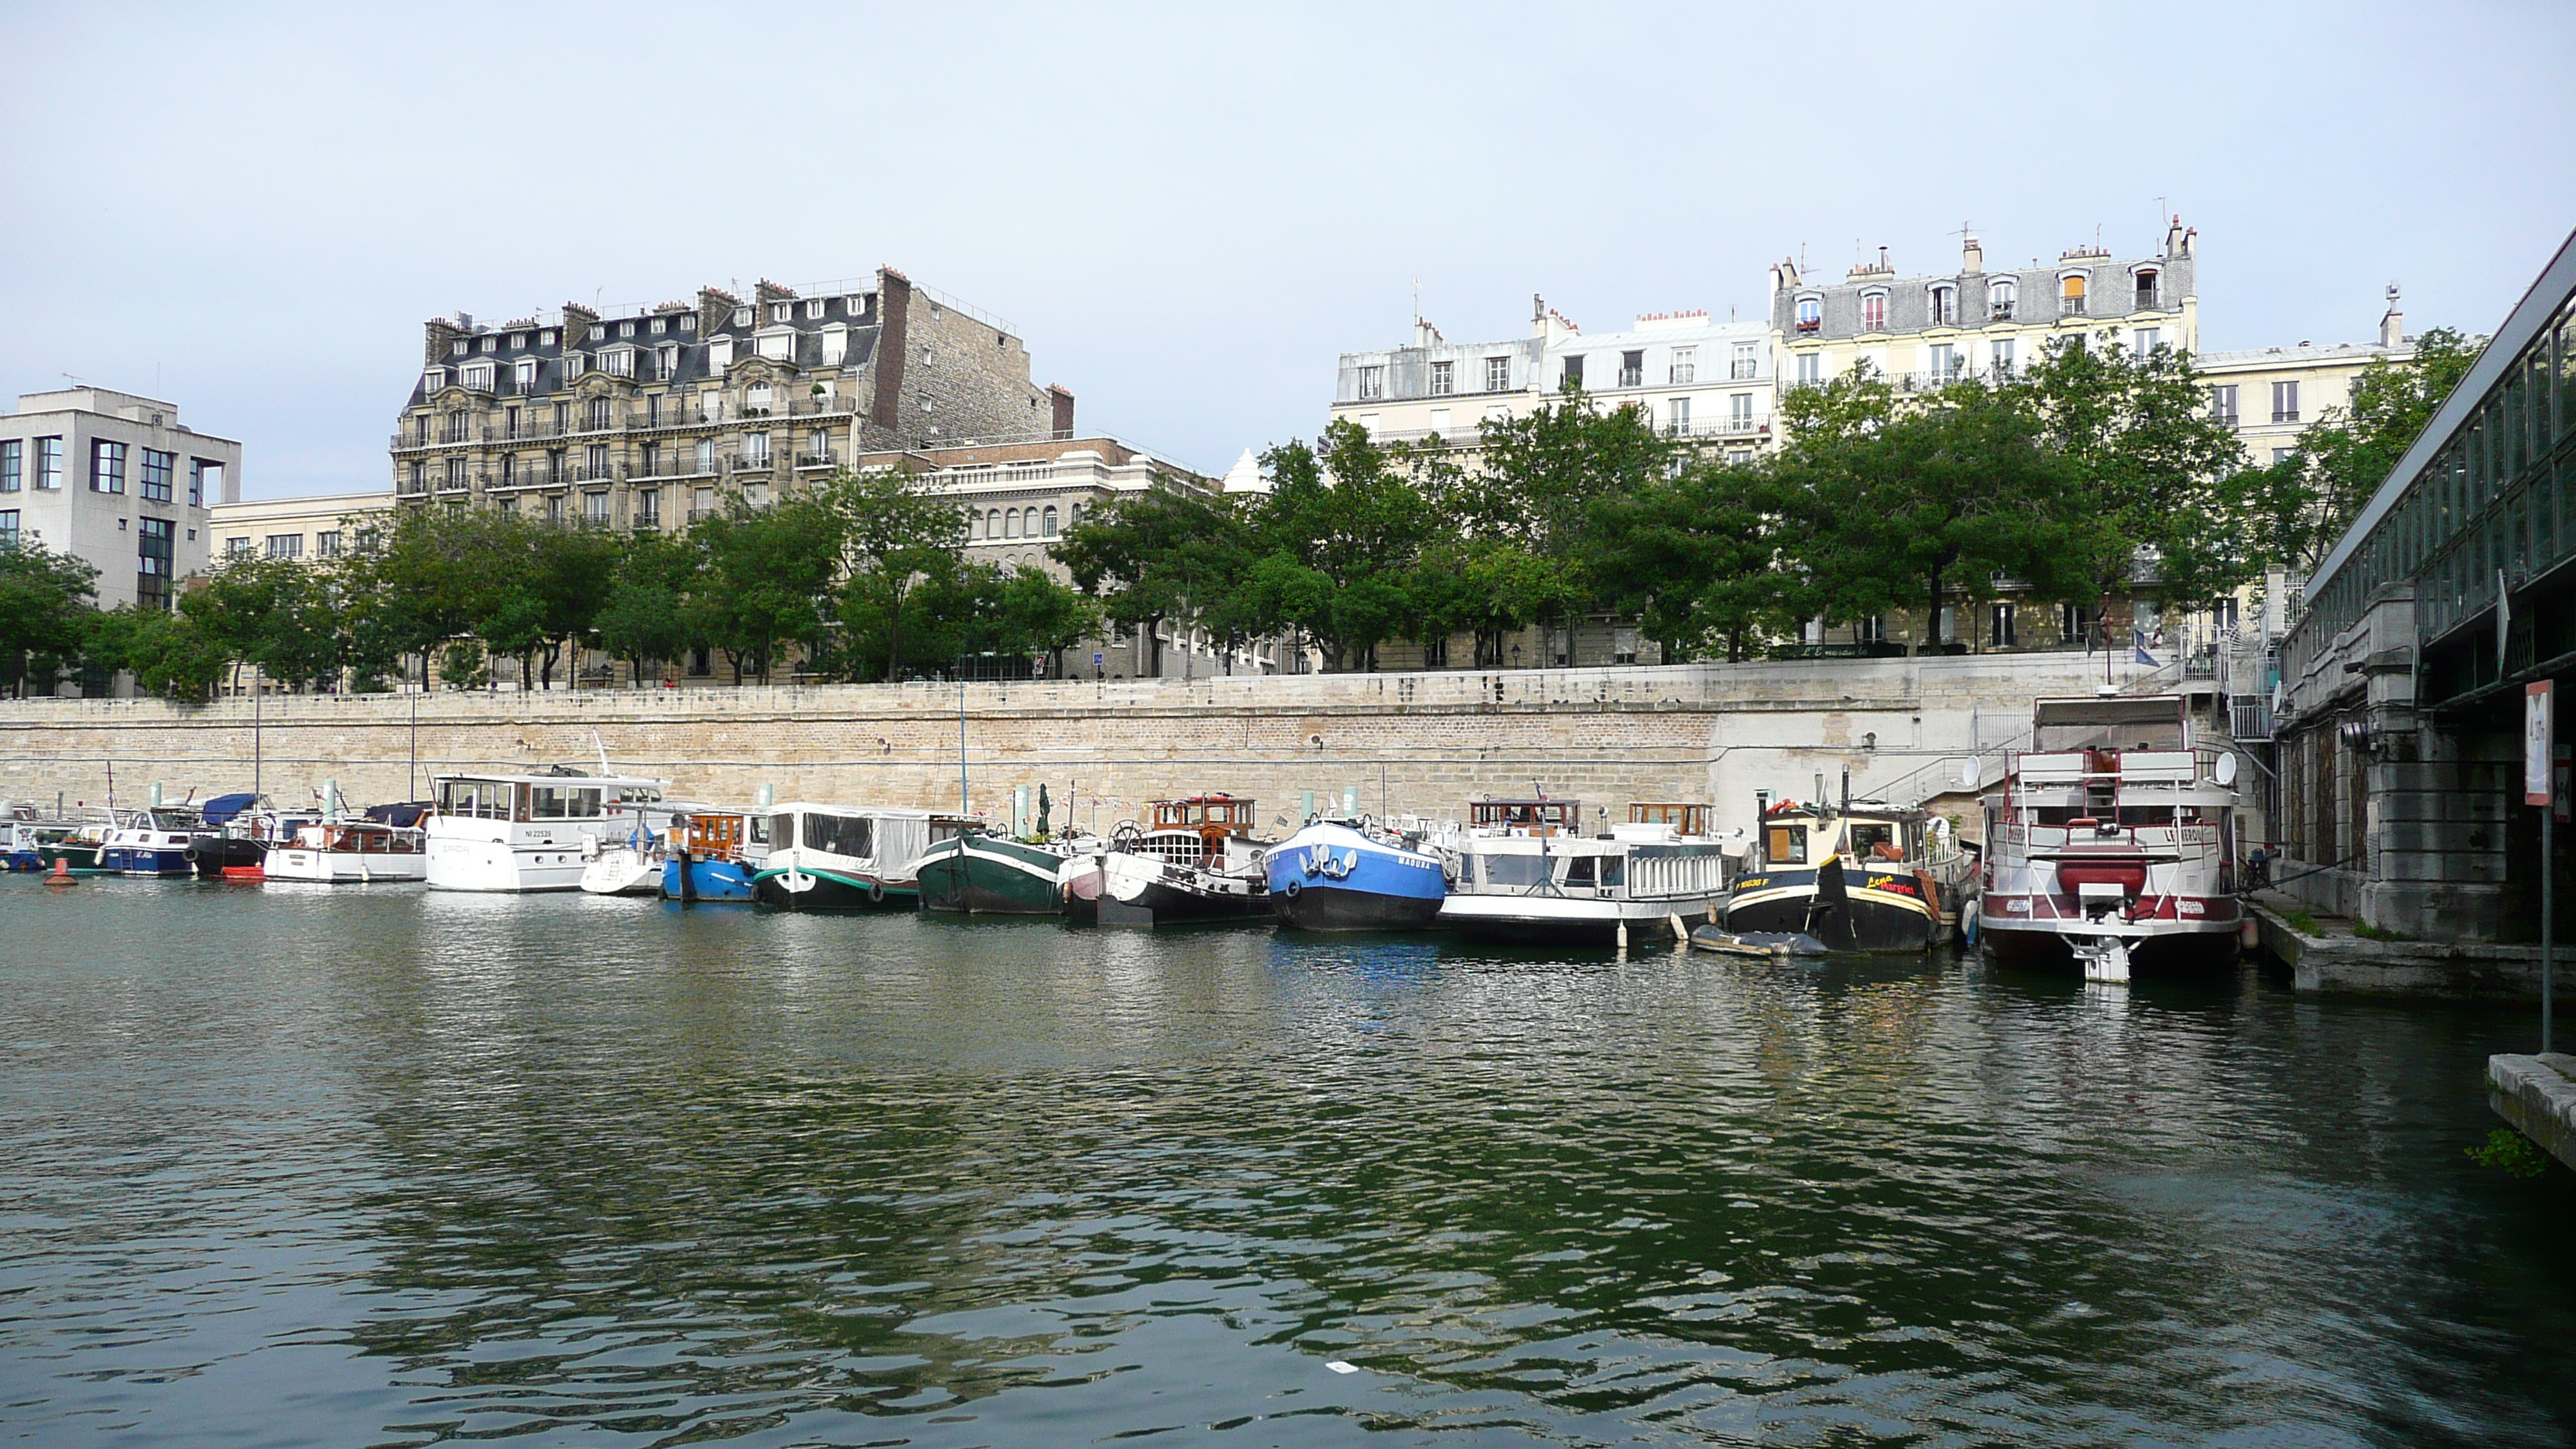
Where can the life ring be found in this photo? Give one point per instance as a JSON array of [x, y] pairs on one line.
[[1292, 888]]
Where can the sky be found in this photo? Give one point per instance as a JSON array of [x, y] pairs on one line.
[[1188, 211]]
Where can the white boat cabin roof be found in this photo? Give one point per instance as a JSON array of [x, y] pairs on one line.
[[851, 812], [560, 781]]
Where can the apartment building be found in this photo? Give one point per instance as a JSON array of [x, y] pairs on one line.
[[315, 529], [1923, 331], [116, 480], [1712, 383], [647, 417], [2271, 395]]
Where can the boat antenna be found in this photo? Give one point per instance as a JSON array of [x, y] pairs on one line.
[[603, 753], [111, 784], [962, 807]]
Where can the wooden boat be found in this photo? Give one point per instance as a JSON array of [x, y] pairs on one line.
[[711, 856], [1857, 877], [1198, 862], [977, 872], [350, 852]]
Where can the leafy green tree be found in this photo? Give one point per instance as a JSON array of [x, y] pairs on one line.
[[1699, 557], [895, 536], [46, 603], [278, 614], [2151, 462], [170, 653], [2298, 506], [646, 614], [767, 576], [1540, 474], [1337, 541], [1166, 554], [417, 581], [1895, 508], [1028, 612]]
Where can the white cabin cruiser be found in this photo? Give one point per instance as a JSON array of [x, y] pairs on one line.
[[2112, 842], [350, 852], [1523, 872], [524, 832]]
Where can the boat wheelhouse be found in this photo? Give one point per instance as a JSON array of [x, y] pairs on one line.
[[155, 843], [2112, 842], [1857, 878], [1535, 816], [1689, 821], [350, 852], [841, 858], [501, 832]]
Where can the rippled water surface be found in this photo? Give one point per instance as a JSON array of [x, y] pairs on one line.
[[377, 1167]]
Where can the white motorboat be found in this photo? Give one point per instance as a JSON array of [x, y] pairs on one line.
[[2112, 842], [1199, 862], [350, 852], [1523, 872], [524, 832]]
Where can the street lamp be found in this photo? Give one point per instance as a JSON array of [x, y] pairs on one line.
[[1516, 656]]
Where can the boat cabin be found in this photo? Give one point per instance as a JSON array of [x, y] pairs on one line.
[[1795, 834], [1684, 819], [1206, 814], [885, 839], [722, 835], [526, 798], [1525, 817], [359, 837]]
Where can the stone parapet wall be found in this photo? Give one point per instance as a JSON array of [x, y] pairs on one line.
[[1407, 743]]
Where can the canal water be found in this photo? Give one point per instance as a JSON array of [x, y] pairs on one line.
[[376, 1167]]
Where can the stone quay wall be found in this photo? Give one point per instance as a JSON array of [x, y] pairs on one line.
[[1404, 743]]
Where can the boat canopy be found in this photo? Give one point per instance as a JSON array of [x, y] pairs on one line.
[[401, 817], [221, 809], [2145, 722]]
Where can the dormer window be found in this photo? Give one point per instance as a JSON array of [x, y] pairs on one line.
[[486, 346], [433, 379], [2070, 294], [661, 325], [1873, 311], [782, 311], [1811, 313], [1945, 305], [777, 346], [460, 347], [742, 316], [688, 323], [2146, 278], [618, 361], [814, 307], [1999, 299], [720, 354], [625, 329], [518, 341], [524, 374], [546, 338], [478, 376]]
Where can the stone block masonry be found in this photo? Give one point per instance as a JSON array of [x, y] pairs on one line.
[[1407, 743]]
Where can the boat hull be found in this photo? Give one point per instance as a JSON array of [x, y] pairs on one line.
[[621, 871], [1121, 888], [1882, 910], [707, 882], [984, 875], [1569, 920], [77, 857], [2163, 933], [228, 857], [808, 889], [1332, 878], [162, 863], [456, 864], [344, 867]]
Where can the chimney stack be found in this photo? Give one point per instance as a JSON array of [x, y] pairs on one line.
[[1972, 256], [1060, 402], [2392, 323]]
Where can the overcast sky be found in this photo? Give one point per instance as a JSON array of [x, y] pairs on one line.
[[1188, 211]]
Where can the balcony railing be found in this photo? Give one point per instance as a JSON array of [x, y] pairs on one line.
[[1685, 373], [2000, 311], [1730, 427], [1632, 377], [2070, 306], [1811, 324]]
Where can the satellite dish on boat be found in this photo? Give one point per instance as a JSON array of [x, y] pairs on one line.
[[1970, 776], [2225, 770]]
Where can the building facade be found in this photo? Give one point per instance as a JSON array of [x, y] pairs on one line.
[[2271, 395], [651, 417], [1712, 383], [314, 529], [117, 481], [1921, 332]]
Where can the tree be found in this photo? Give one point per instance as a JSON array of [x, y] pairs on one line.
[[1895, 507], [895, 535], [1697, 557], [2151, 462], [46, 602], [2300, 505], [1156, 556], [1337, 540], [766, 577], [170, 654], [277, 614], [646, 614]]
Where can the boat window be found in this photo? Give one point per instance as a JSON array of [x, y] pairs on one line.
[[1578, 870], [2146, 815], [759, 829], [1875, 840], [1788, 845], [1513, 870], [1614, 869], [780, 830], [638, 795], [848, 835]]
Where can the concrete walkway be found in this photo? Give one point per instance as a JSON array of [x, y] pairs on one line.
[[2537, 1094], [2324, 955]]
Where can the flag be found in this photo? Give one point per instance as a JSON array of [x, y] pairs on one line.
[[2138, 639]]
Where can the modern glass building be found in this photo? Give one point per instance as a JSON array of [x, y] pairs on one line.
[[2455, 586]]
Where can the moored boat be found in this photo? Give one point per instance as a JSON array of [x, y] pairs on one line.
[[710, 856], [1197, 863], [524, 832], [1857, 877], [841, 858], [154, 844], [350, 852], [977, 872], [1354, 875], [2111, 842], [1522, 872]]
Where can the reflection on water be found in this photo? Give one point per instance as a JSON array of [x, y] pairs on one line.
[[381, 1167]]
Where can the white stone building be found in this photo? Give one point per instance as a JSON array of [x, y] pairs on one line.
[[117, 481]]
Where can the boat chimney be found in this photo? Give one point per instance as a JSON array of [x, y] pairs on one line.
[[155, 795], [765, 798]]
